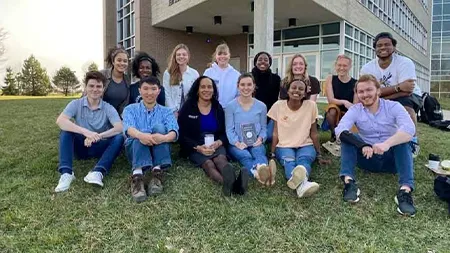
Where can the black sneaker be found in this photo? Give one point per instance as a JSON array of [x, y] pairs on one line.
[[228, 179], [241, 184], [351, 192], [405, 203]]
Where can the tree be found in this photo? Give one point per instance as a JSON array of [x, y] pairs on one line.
[[11, 84], [3, 34], [19, 83], [66, 80], [35, 81], [93, 67]]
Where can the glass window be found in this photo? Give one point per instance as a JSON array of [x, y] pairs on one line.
[[277, 35], [298, 46], [330, 42], [434, 87], [348, 43], [330, 29], [446, 9], [349, 30], [251, 38], [435, 64], [362, 37], [327, 63], [356, 47], [435, 48], [301, 32], [437, 25], [277, 48]]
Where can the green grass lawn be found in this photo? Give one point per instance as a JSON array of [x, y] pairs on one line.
[[445, 103], [191, 215]]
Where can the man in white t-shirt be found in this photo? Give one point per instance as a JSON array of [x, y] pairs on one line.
[[397, 75]]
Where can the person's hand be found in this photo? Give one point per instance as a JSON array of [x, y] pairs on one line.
[[367, 152], [216, 144], [258, 142], [322, 161], [347, 104], [158, 138], [88, 142], [146, 139], [92, 135], [407, 86], [240, 145], [380, 148], [207, 151]]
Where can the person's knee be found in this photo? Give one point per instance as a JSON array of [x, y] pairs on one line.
[[159, 129], [332, 112]]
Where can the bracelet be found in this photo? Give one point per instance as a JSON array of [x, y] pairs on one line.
[[397, 89]]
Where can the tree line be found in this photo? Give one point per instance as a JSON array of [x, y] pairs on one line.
[[33, 80]]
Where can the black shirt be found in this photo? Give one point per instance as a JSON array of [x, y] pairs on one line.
[[343, 91]]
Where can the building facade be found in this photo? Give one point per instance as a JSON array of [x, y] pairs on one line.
[[318, 29], [440, 50]]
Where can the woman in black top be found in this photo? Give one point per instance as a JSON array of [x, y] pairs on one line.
[[144, 66], [267, 84], [117, 86], [202, 115], [340, 92], [298, 69]]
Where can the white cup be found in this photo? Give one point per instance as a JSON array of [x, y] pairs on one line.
[[433, 164], [209, 139]]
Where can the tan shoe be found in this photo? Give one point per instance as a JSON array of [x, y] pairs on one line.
[[273, 171], [263, 174], [298, 176]]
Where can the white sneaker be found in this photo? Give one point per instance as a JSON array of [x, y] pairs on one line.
[[94, 177], [64, 182], [307, 189], [297, 177]]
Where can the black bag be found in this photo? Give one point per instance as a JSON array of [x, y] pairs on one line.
[[431, 109], [441, 124], [442, 189]]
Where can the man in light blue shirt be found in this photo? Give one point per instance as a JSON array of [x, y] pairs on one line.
[[381, 145], [94, 132], [150, 128]]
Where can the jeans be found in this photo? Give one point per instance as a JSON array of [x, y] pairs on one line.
[[144, 157], [397, 159], [270, 126], [291, 157], [249, 157], [72, 143]]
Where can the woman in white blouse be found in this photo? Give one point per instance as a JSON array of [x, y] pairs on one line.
[[178, 78]]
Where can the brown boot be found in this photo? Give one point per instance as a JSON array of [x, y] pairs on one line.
[[137, 188], [155, 185]]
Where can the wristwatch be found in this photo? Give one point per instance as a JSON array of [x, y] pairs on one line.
[[397, 89], [272, 155]]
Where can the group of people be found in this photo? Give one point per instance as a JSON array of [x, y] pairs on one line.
[[225, 115]]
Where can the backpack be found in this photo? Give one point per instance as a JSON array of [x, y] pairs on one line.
[[431, 109], [441, 124]]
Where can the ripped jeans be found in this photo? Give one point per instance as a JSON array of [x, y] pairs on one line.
[[291, 157]]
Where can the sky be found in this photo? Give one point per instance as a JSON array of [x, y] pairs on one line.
[[57, 32]]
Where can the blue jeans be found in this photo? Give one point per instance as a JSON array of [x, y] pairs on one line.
[[144, 157], [291, 157], [270, 126], [72, 143], [397, 159], [249, 157]]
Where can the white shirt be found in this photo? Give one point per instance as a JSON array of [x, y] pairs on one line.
[[400, 70], [226, 81], [173, 92]]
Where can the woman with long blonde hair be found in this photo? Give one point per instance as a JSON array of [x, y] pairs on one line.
[[223, 74], [297, 69], [178, 78]]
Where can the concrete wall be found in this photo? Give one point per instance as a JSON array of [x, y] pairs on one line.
[[162, 11], [361, 17], [159, 42]]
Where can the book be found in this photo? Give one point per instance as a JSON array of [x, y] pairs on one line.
[[249, 134]]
